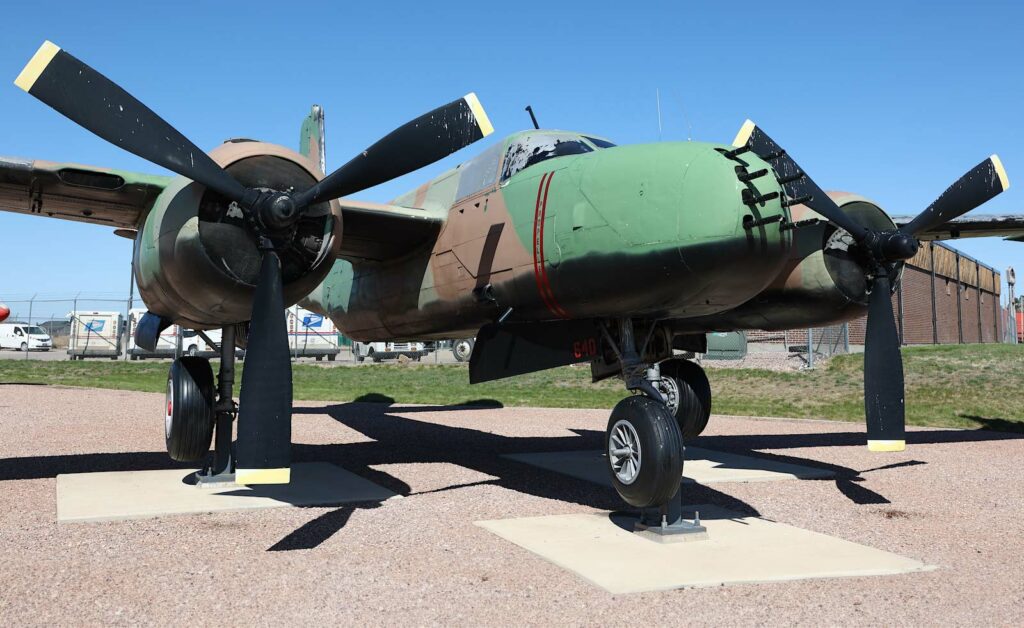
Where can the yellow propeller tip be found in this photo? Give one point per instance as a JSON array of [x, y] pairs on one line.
[[35, 66], [1000, 172], [482, 121], [744, 135], [887, 445], [263, 476]]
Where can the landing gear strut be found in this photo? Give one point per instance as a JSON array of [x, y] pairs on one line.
[[644, 442], [222, 471]]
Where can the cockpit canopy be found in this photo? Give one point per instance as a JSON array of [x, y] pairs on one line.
[[520, 151]]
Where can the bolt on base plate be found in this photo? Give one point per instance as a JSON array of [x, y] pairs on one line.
[[679, 532]]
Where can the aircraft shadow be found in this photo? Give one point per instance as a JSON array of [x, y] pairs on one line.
[[400, 439]]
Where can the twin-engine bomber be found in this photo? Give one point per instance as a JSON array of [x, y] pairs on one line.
[[551, 247]]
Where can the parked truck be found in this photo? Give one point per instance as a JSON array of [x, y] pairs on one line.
[[95, 335], [311, 334], [166, 346]]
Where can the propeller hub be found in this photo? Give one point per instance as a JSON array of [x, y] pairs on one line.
[[891, 246], [277, 211]]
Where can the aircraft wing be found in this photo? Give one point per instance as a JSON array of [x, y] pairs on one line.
[[373, 231], [1011, 226], [101, 196]]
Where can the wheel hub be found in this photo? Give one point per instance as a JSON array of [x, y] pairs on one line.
[[168, 418], [669, 389], [624, 452]]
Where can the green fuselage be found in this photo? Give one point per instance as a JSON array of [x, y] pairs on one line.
[[653, 231]]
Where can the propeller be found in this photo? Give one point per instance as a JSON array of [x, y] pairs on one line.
[[881, 251], [101, 106]]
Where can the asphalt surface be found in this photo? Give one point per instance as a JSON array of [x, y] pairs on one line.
[[954, 499]]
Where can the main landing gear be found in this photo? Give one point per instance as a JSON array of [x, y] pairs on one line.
[[646, 431], [194, 413]]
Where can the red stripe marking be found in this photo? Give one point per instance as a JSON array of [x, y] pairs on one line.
[[538, 226], [540, 266], [543, 266]]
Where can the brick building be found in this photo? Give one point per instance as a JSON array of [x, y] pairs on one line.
[[945, 297]]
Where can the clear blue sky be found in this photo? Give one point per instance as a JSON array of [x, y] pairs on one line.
[[893, 100]]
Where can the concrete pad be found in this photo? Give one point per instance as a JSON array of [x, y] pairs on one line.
[[120, 495], [703, 466], [598, 548]]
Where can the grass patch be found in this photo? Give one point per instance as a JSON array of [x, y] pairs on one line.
[[972, 386]]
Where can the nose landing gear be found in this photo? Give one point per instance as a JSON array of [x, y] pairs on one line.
[[645, 434]]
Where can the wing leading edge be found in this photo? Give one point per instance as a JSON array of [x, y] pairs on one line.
[[102, 196], [1010, 226]]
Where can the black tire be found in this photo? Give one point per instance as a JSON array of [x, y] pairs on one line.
[[694, 407], [463, 349], [660, 448], [373, 355], [331, 357], [193, 351], [188, 422], [24, 347]]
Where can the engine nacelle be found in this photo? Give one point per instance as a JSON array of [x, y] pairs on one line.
[[823, 282], [196, 257]]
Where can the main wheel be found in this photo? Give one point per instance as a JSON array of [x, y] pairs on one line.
[[462, 349], [645, 452], [687, 393], [188, 422]]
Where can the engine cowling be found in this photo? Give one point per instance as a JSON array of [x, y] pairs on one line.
[[196, 256], [823, 281]]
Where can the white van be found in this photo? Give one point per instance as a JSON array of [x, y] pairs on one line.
[[22, 337], [378, 351]]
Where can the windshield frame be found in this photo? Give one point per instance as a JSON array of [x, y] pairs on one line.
[[559, 136]]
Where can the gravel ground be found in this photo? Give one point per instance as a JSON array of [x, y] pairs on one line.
[[953, 499]]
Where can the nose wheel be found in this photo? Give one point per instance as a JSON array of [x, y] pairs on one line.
[[644, 437], [645, 451]]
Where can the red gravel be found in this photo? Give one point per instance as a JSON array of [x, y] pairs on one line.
[[956, 501]]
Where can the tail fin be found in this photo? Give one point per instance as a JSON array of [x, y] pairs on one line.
[[312, 138]]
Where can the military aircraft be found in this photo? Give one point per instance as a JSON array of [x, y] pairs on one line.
[[551, 247]]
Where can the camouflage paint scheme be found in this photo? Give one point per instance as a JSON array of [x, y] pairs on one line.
[[652, 231]]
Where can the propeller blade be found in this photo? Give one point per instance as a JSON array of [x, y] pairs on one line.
[[99, 105], [265, 403], [412, 146], [883, 372], [980, 184], [752, 136]]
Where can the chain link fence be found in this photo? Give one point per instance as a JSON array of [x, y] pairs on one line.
[[101, 326]]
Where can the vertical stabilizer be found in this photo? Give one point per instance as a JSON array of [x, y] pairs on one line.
[[312, 139]]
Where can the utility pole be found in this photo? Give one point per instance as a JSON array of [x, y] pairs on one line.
[[1011, 279]]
